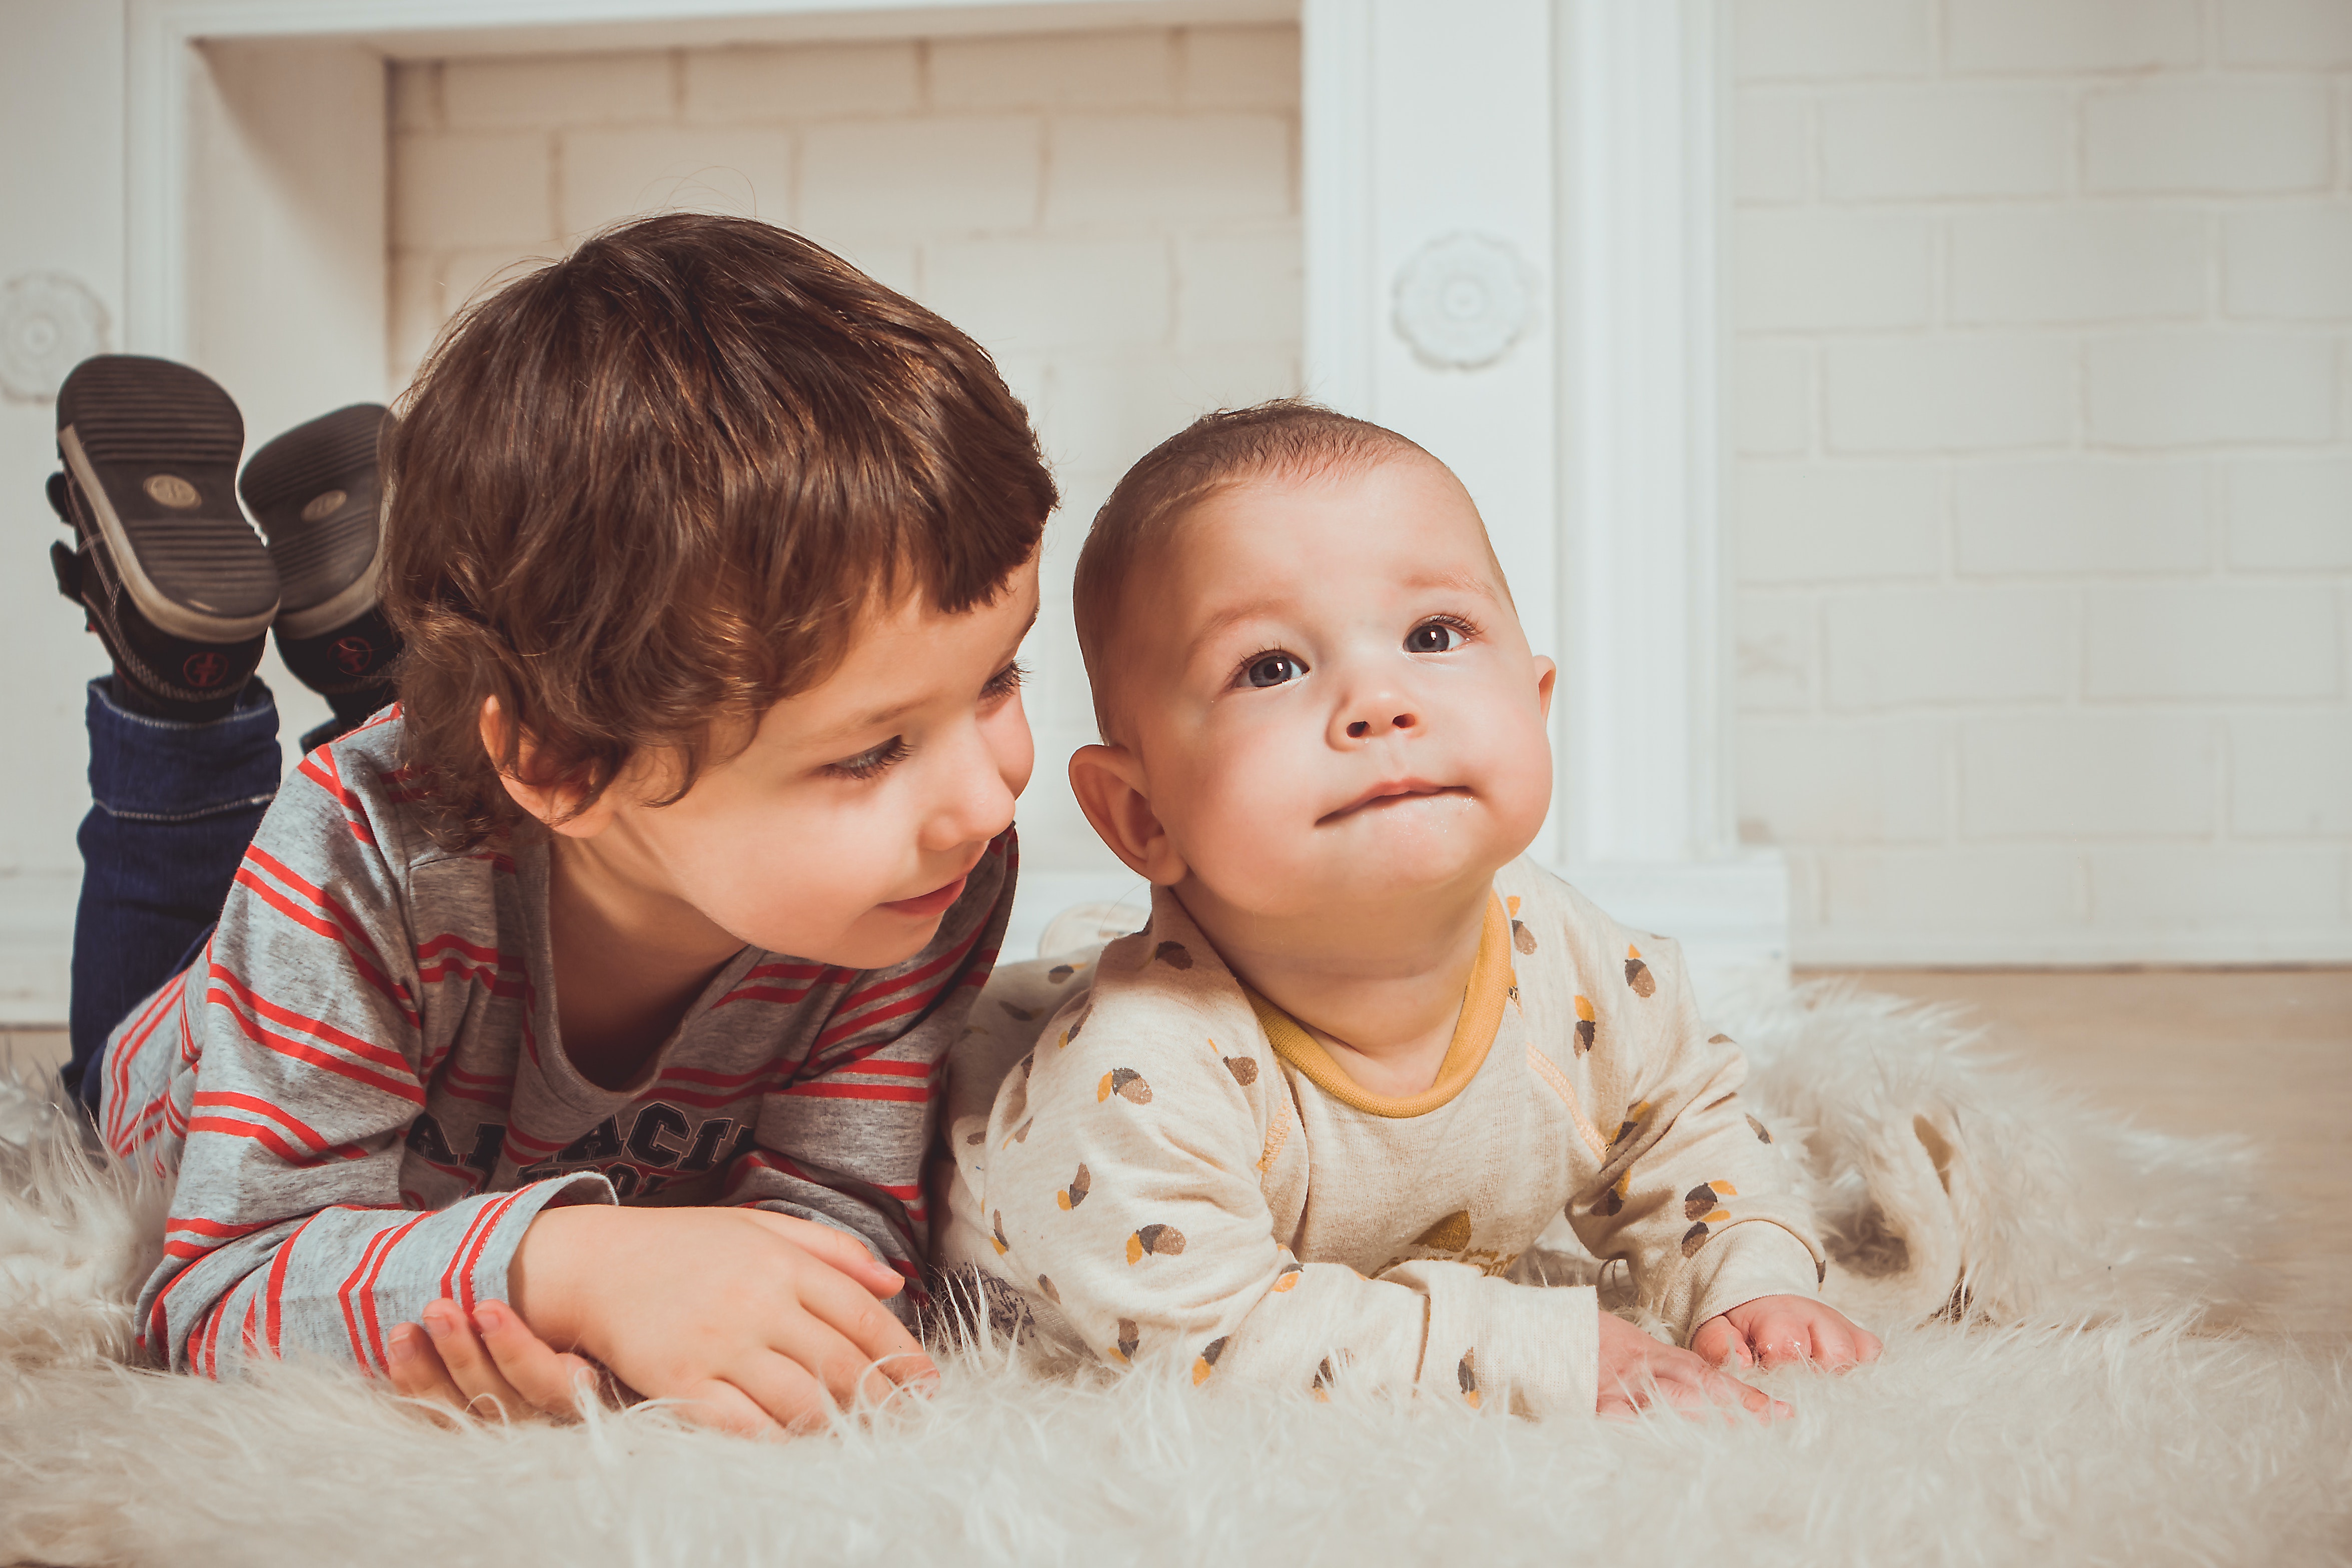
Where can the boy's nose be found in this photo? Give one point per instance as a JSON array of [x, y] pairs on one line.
[[1365, 729]]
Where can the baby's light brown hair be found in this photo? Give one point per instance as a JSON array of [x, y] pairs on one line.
[[1286, 439]]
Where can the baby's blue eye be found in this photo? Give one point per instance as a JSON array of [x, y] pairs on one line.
[[1273, 670], [1432, 637]]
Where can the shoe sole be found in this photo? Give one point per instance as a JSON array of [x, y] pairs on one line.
[[153, 447], [315, 493]]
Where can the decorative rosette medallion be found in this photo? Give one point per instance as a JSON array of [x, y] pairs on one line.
[[1463, 301], [49, 324]]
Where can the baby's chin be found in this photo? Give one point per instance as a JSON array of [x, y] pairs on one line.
[[1359, 869]]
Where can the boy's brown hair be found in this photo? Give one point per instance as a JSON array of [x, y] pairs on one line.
[[1287, 438], [655, 484]]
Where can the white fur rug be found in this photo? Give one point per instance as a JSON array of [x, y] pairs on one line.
[[2084, 1406]]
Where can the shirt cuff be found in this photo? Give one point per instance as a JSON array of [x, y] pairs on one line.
[[484, 1276], [1530, 1350], [1755, 1258]]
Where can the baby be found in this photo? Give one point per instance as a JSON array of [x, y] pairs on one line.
[[1300, 1127]]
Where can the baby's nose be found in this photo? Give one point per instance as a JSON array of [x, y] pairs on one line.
[[1362, 728]]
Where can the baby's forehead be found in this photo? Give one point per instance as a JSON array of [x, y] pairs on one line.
[[1322, 541]]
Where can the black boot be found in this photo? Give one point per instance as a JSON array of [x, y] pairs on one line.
[[169, 573], [315, 493]]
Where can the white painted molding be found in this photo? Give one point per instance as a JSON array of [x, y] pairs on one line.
[[1648, 736]]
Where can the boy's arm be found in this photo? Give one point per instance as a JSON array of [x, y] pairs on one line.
[[1122, 1185], [843, 1141], [287, 1230], [1690, 1191]]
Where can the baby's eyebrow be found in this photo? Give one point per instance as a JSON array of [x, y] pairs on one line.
[[1462, 581], [1232, 615]]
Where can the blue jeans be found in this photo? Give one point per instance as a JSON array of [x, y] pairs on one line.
[[172, 807]]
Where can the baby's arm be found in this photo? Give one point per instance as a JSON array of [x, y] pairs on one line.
[[1693, 1196], [1122, 1185]]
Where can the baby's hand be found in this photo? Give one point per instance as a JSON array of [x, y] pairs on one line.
[[1777, 1329], [1631, 1362]]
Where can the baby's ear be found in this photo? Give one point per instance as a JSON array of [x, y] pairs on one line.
[[554, 802], [1112, 789]]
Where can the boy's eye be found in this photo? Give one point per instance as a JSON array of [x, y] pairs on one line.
[[1273, 670], [1004, 683], [869, 762], [1432, 637]]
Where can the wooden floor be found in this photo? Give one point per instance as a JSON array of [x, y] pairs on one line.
[[2262, 1052]]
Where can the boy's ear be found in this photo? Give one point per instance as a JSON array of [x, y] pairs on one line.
[[555, 802], [1109, 784], [1547, 677]]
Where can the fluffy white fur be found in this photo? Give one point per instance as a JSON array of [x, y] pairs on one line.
[[2078, 1406]]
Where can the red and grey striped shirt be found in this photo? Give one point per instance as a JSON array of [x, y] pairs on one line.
[[359, 1086]]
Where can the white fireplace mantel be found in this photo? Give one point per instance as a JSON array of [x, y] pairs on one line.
[[1512, 224]]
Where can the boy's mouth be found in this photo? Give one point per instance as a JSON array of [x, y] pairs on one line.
[[922, 907], [1390, 793]]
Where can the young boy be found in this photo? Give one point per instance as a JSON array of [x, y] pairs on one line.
[[591, 997], [1301, 1126]]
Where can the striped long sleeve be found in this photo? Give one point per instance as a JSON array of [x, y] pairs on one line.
[[361, 1087]]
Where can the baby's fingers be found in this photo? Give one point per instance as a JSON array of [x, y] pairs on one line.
[[1720, 1343]]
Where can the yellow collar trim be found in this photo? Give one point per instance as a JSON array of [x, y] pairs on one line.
[[1474, 1034]]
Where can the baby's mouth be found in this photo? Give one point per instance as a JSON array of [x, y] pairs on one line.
[[1395, 792]]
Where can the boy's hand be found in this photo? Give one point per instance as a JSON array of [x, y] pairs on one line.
[[493, 1359], [1777, 1329], [753, 1321], [1631, 1362]]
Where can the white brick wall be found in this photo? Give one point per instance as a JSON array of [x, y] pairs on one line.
[[2043, 406], [1114, 214]]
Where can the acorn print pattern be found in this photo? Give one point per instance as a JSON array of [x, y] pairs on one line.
[[1075, 1194], [1634, 1115], [996, 1233], [1323, 1380], [1613, 1202], [1060, 972], [1207, 1362], [1522, 938], [1289, 1277], [1637, 974], [1466, 1373], [1126, 1083], [1700, 1204], [1045, 1289], [1243, 1068], [1020, 1134], [1130, 1336], [1762, 1135], [1586, 1026], [1154, 1241], [1172, 954], [1450, 1235], [1026, 1015]]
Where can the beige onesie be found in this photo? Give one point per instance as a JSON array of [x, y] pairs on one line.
[[1179, 1169]]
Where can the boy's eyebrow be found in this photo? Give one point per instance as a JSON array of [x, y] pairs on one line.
[[877, 717]]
